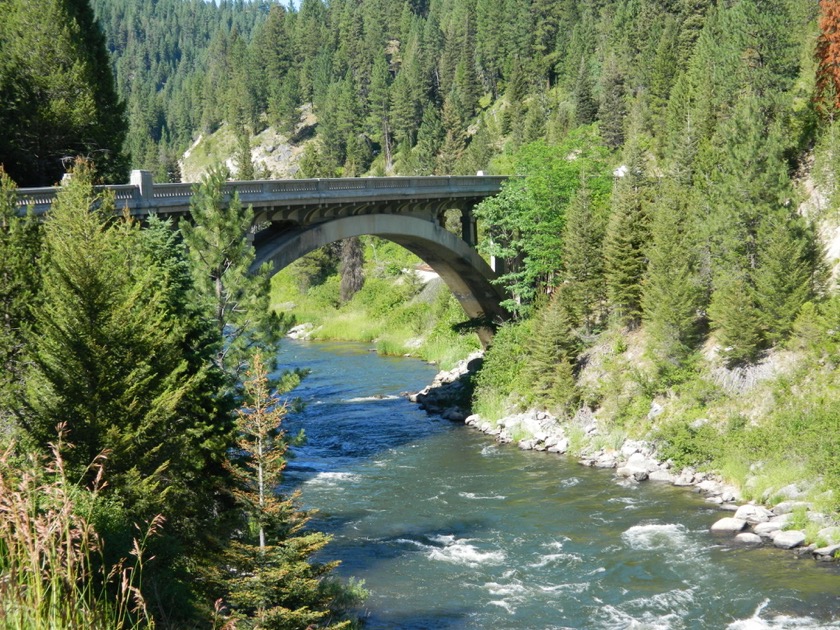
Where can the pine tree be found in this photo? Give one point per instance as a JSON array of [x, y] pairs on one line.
[[379, 117], [613, 108], [785, 273], [235, 301], [117, 354], [20, 245], [553, 355], [672, 291], [583, 263], [586, 109], [454, 141], [828, 57], [62, 102], [627, 234], [272, 581], [244, 163], [429, 141], [736, 320]]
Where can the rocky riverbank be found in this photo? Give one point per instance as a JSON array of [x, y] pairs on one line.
[[792, 523]]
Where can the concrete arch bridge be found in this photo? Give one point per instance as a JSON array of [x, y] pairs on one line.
[[295, 217]]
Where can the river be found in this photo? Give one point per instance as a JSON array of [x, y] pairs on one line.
[[450, 530]]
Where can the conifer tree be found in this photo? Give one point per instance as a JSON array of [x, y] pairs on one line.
[[233, 299], [429, 140], [454, 141], [117, 355], [586, 109], [379, 117], [736, 320], [672, 291], [20, 245], [553, 354], [272, 582], [583, 262], [785, 274], [828, 57], [61, 102], [627, 234], [613, 108]]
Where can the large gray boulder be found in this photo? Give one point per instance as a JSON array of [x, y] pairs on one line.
[[789, 539], [753, 514], [729, 525]]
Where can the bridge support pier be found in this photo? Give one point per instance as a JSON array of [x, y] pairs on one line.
[[469, 228]]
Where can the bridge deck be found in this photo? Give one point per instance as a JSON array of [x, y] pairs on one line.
[[143, 196]]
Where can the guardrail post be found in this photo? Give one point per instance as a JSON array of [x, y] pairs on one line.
[[145, 184]]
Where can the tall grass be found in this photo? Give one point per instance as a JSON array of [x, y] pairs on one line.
[[52, 572]]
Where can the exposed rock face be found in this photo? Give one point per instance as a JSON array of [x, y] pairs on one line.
[[451, 391]]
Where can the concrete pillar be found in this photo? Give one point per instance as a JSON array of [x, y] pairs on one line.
[[469, 230], [145, 183]]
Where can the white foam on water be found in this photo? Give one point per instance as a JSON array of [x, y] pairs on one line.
[[462, 552], [474, 496], [655, 536], [416, 543], [568, 483], [556, 558], [503, 604], [494, 588], [370, 399], [675, 600], [490, 449], [571, 587], [556, 544], [617, 619], [779, 622], [333, 478]]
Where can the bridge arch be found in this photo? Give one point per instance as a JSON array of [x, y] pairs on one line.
[[466, 274]]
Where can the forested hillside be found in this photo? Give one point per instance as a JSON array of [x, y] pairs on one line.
[[443, 86]]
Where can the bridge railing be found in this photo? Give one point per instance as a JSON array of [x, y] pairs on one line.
[[145, 195]]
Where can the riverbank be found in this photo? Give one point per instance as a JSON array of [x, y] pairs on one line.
[[792, 523]]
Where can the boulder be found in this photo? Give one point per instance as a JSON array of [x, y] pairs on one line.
[[729, 525], [526, 445], [661, 475], [786, 507], [455, 414], [561, 446], [831, 535], [605, 460], [789, 539], [685, 478], [753, 514], [768, 529], [826, 554], [748, 538], [709, 486]]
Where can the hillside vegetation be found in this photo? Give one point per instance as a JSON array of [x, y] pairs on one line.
[[670, 245]]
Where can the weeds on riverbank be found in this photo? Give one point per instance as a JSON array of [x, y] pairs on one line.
[[52, 572]]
